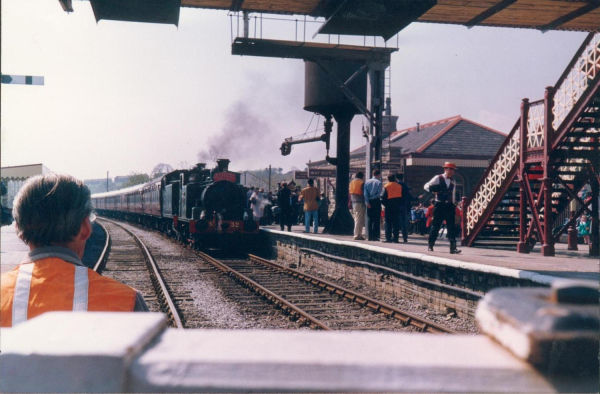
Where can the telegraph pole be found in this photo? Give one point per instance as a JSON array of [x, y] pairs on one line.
[[269, 177], [106, 180]]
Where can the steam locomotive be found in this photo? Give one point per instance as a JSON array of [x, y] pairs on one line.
[[201, 206]]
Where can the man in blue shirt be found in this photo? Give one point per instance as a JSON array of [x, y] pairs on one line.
[[373, 189]]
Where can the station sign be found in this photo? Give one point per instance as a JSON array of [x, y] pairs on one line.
[[321, 173], [225, 176], [300, 174]]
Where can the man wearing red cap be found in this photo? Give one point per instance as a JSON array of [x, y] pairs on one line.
[[443, 188]]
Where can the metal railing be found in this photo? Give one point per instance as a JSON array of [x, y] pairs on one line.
[[583, 68]]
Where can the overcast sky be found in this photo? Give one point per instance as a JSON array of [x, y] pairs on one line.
[[122, 97]]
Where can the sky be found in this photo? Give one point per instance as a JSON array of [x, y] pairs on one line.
[[122, 97]]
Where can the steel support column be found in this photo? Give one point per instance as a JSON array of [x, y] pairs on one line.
[[548, 239], [341, 222], [374, 140], [595, 233], [523, 246]]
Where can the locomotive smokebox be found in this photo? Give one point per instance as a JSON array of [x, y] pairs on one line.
[[321, 94], [223, 164]]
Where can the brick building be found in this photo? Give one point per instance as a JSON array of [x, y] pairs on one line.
[[419, 152]]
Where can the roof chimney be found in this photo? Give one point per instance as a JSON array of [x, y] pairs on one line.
[[418, 127]]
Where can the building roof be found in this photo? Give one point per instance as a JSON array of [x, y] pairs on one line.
[[454, 136], [23, 172]]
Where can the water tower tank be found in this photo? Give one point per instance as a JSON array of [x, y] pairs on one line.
[[321, 94]]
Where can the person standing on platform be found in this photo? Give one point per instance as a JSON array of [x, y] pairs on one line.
[[444, 210], [284, 200], [372, 191], [391, 197], [405, 203], [357, 198], [249, 195], [53, 215], [256, 202], [324, 210], [584, 229], [310, 195]]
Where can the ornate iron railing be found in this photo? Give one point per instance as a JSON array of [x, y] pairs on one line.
[[574, 81], [535, 125], [584, 67], [492, 180]]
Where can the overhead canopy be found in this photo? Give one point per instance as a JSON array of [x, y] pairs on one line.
[[579, 15], [377, 17]]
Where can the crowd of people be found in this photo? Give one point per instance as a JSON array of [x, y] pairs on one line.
[[393, 202], [388, 204], [289, 206]]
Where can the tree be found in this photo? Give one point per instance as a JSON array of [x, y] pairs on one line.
[[160, 169], [183, 165], [136, 178]]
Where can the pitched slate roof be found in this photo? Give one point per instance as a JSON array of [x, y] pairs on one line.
[[447, 137]]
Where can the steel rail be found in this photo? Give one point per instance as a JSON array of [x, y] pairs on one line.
[[285, 305], [105, 251], [162, 288], [377, 306]]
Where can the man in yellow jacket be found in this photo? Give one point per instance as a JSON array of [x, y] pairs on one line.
[[357, 199], [53, 216]]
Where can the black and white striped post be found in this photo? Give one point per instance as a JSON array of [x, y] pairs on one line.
[[22, 80]]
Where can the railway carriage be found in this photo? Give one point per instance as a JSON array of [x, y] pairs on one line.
[[205, 207]]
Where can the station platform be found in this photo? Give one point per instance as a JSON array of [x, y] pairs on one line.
[[566, 264]]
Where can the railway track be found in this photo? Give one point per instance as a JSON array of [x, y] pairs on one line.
[[316, 302], [127, 260], [183, 282], [268, 289]]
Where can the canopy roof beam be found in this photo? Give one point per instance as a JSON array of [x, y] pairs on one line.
[[489, 12], [570, 16]]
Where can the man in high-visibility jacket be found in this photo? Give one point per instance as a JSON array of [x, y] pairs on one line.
[[391, 197], [53, 216], [357, 199]]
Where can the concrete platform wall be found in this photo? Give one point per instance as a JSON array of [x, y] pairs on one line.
[[437, 283]]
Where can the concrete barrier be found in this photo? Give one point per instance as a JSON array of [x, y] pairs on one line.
[[133, 352]]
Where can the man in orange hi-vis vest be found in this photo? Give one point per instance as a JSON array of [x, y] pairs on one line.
[[53, 216], [391, 198]]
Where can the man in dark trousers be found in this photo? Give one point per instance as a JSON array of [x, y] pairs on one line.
[[405, 203], [373, 188], [391, 197], [284, 200], [443, 188]]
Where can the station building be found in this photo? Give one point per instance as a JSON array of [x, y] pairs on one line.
[[14, 177], [419, 153]]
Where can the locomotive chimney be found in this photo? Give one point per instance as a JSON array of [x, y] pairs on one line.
[[223, 164], [200, 166]]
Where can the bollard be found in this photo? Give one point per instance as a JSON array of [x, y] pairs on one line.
[[572, 235], [556, 330]]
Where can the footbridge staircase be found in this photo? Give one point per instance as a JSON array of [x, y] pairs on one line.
[[550, 155]]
